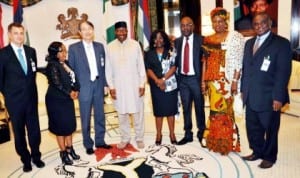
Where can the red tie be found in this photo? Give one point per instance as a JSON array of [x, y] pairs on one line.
[[186, 57]]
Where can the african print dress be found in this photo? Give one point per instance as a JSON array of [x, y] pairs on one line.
[[222, 134]]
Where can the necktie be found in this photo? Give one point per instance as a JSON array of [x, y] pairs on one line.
[[256, 45], [22, 60], [186, 57]]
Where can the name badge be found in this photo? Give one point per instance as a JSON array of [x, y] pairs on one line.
[[223, 45], [33, 66], [102, 61], [266, 64]]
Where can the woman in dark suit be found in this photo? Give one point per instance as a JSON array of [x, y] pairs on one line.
[[63, 89], [160, 66]]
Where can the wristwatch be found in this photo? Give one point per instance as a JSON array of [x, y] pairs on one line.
[[163, 78]]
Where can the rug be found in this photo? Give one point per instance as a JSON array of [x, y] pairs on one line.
[[164, 161]]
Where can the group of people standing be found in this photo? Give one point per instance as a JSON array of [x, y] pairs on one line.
[[219, 65]]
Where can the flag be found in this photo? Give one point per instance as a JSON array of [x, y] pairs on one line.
[[143, 24], [113, 14], [1, 29], [18, 17]]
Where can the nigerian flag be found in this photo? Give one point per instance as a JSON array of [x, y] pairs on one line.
[[113, 14]]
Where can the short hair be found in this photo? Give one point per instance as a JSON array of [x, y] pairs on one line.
[[87, 22], [14, 24], [167, 43]]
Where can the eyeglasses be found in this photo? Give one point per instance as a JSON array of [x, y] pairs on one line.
[[186, 25]]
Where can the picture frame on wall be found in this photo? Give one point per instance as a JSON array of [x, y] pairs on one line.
[[245, 9]]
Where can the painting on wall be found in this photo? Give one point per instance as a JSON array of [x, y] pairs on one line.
[[244, 10]]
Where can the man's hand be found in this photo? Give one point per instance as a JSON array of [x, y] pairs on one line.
[[141, 91], [112, 93], [74, 94], [276, 105]]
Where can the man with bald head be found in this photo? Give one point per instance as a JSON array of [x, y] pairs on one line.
[[265, 77], [188, 62]]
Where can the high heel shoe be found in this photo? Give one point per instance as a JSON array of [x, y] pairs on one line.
[[65, 158], [71, 152], [173, 140], [158, 140]]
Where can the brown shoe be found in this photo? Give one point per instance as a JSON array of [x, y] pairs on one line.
[[251, 157], [265, 164]]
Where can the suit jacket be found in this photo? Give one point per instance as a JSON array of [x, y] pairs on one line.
[[197, 55], [60, 84], [79, 63], [261, 86], [17, 87]]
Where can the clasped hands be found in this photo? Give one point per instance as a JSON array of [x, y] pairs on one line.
[[160, 84], [74, 94]]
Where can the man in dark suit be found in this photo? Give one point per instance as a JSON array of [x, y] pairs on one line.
[[265, 76], [188, 62], [18, 85], [87, 58]]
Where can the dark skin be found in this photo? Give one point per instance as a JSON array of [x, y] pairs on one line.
[[160, 82], [262, 24], [121, 34], [221, 31]]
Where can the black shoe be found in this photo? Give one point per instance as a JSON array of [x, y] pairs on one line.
[[173, 140], [265, 164], [39, 163], [65, 159], [158, 140], [184, 141], [251, 157], [72, 153], [105, 146], [89, 151], [27, 167]]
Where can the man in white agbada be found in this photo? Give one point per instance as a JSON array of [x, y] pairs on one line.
[[126, 78]]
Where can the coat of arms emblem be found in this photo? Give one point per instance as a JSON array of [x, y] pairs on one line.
[[69, 26]]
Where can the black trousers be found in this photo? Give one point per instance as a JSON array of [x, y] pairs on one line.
[[262, 131]]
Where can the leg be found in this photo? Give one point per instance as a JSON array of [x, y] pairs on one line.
[[199, 107], [271, 123], [139, 122], [33, 130], [85, 117], [255, 132], [61, 142], [185, 95], [124, 127], [158, 124], [99, 118], [171, 124]]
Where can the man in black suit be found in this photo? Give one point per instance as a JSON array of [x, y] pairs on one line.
[[188, 62], [18, 85], [265, 76]]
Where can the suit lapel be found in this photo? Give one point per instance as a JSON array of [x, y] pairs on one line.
[[83, 54], [263, 45], [28, 60], [15, 58]]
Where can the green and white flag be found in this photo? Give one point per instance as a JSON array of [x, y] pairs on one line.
[[113, 14]]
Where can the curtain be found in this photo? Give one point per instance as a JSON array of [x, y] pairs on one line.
[[25, 3]]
